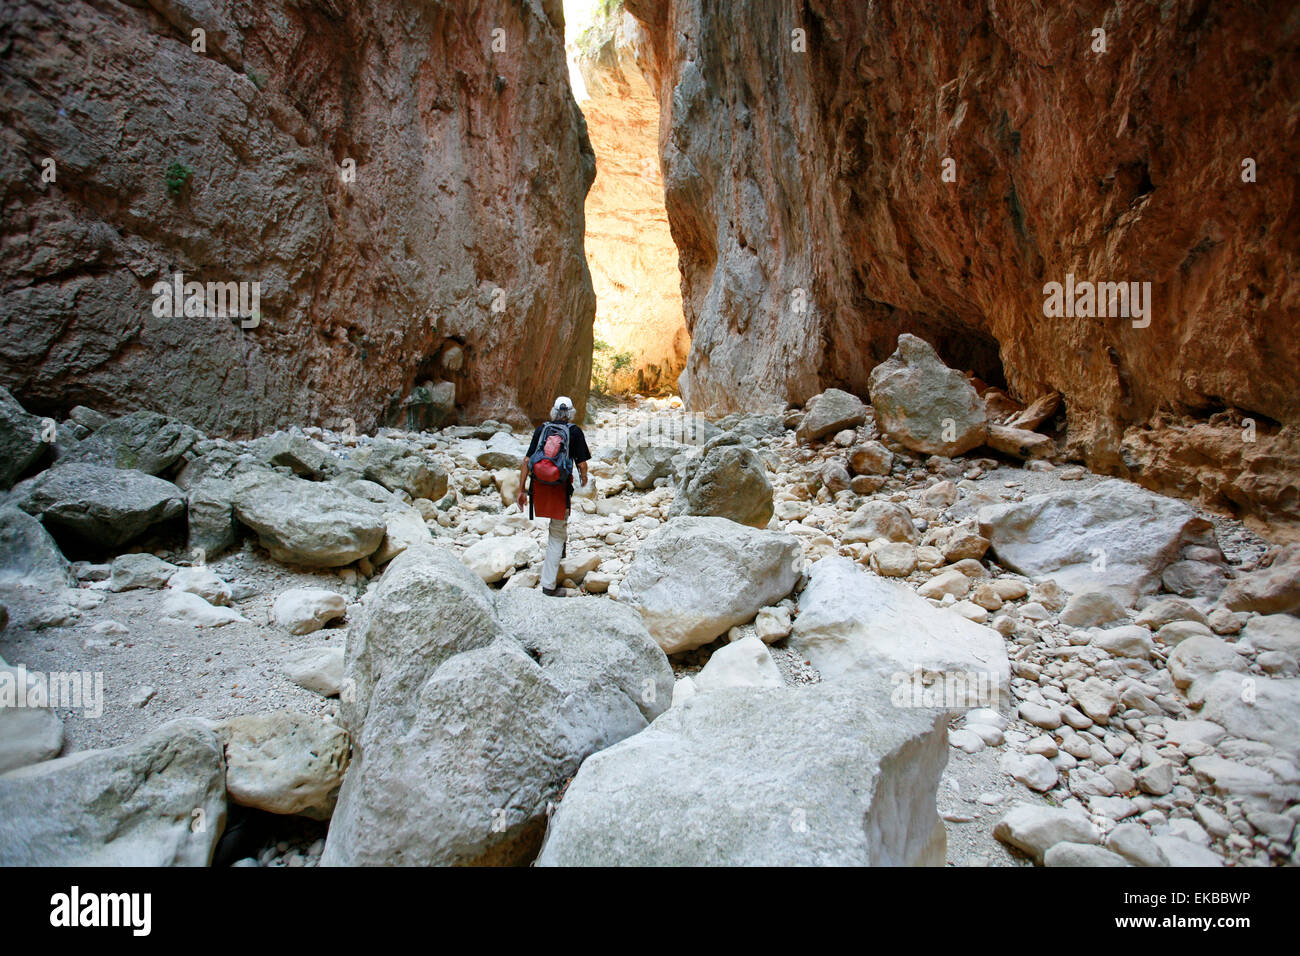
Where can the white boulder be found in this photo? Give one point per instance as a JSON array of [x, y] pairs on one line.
[[317, 669], [284, 762], [304, 610], [1114, 535], [693, 578], [493, 558], [203, 582], [853, 625], [183, 607], [782, 776], [158, 801], [744, 663]]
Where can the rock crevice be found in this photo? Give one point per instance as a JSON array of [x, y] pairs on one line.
[[839, 173]]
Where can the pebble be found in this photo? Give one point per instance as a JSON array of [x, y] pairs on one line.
[[966, 740], [1048, 718], [1033, 770], [1044, 745], [1156, 779]]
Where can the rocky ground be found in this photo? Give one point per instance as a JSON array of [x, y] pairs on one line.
[[1100, 722]]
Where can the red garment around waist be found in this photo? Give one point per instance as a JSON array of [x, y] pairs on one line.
[[550, 501]]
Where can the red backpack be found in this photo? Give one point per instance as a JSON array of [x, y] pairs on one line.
[[550, 463]]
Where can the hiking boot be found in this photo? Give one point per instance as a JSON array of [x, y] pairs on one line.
[[553, 592]]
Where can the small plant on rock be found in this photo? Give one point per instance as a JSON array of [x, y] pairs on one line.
[[176, 178], [605, 364]]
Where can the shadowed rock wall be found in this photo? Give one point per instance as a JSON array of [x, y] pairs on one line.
[[462, 223], [804, 147]]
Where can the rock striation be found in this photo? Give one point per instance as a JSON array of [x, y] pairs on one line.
[[405, 180], [839, 173]]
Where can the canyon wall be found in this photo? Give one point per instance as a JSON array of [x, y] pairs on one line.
[[404, 178], [630, 250], [805, 146]]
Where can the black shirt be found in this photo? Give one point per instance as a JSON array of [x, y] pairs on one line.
[[578, 450]]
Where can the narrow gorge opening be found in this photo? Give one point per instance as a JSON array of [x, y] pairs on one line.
[[970, 540], [640, 336]]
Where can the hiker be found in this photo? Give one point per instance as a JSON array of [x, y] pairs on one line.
[[556, 447]]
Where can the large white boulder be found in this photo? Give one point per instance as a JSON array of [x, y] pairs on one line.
[[159, 801], [28, 555], [312, 523], [469, 709], [284, 762], [821, 776], [1035, 829], [924, 404], [1257, 708], [693, 578], [854, 626], [1113, 535]]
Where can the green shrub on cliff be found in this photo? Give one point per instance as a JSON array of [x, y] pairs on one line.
[[605, 364], [177, 175]]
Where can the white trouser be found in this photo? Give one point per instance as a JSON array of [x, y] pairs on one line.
[[554, 548]]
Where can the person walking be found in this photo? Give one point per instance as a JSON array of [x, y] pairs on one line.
[[546, 482]]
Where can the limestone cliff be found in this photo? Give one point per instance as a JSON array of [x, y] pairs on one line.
[[404, 178], [629, 247], [805, 147]]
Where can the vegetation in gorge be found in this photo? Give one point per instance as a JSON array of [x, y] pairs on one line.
[[606, 364]]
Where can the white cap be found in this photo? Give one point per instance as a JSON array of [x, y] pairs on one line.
[[563, 407]]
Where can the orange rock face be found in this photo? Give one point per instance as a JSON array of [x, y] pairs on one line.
[[404, 179], [630, 251], [839, 172]]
